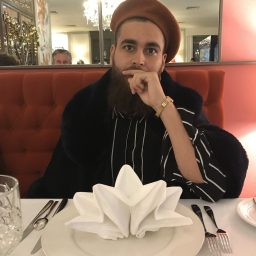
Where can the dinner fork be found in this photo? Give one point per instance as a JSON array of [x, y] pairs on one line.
[[222, 234], [209, 237]]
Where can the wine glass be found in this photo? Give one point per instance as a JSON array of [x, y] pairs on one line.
[[10, 214]]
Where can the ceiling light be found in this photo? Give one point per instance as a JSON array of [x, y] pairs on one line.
[[91, 13]]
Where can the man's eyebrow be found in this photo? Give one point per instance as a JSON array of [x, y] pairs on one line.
[[128, 41], [132, 41], [153, 44]]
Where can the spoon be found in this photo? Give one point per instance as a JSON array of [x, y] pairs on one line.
[[41, 222]]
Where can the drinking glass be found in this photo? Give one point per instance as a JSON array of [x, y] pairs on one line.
[[10, 214]]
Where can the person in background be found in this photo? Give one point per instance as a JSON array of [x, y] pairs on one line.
[[61, 56], [80, 62], [137, 115], [8, 60]]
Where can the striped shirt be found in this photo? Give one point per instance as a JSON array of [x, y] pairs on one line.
[[145, 145]]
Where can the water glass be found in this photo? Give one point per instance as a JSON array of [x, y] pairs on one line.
[[10, 214]]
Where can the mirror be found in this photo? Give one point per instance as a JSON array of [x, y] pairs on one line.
[[67, 27], [199, 23], [198, 19]]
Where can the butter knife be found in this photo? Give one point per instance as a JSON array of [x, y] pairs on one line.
[[38, 244], [30, 226]]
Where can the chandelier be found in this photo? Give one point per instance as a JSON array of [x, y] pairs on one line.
[[91, 11]]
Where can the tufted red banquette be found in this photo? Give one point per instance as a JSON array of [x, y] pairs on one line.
[[32, 102]]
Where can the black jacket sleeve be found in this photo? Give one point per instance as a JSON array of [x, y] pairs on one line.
[[62, 178], [231, 157]]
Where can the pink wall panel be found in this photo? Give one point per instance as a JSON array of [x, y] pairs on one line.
[[238, 39], [239, 92]]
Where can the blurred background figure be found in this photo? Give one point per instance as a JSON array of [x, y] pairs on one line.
[[8, 60], [61, 56], [80, 62]]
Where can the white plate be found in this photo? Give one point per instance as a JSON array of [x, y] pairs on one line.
[[247, 211], [59, 240]]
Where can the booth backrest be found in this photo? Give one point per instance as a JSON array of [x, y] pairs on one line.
[[32, 102]]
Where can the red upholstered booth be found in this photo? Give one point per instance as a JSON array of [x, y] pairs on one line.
[[32, 102]]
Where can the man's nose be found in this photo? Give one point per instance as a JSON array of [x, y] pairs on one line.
[[139, 58]]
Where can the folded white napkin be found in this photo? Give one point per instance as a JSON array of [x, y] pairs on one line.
[[129, 207]]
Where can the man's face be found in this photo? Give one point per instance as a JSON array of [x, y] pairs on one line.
[[61, 58], [139, 45]]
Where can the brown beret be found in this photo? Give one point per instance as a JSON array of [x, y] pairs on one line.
[[157, 13]]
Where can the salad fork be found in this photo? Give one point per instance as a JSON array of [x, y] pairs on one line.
[[209, 237], [222, 234]]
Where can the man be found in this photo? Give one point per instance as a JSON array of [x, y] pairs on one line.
[[61, 56], [137, 115]]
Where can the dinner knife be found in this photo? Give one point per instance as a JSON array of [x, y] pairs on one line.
[[38, 244], [30, 226]]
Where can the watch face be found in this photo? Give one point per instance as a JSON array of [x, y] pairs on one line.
[[164, 104]]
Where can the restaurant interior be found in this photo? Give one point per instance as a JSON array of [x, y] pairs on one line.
[[219, 34], [217, 58]]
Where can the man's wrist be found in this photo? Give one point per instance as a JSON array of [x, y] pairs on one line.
[[165, 102]]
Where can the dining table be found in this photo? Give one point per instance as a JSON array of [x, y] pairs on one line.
[[242, 234]]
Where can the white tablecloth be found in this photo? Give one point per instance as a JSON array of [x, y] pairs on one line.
[[242, 235]]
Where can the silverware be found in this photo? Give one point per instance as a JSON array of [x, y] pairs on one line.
[[40, 223], [222, 234], [38, 244], [30, 226], [61, 205], [209, 237]]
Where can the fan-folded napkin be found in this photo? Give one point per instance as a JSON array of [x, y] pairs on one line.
[[128, 208]]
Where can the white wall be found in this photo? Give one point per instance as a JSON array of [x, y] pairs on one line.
[[59, 40], [79, 44], [188, 39]]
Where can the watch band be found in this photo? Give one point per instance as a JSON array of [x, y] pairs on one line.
[[164, 103]]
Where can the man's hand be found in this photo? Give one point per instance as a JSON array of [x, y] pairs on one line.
[[147, 86]]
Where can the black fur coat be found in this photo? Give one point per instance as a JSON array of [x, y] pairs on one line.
[[79, 160]]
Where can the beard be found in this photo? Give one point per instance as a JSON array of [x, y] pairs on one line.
[[122, 100]]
